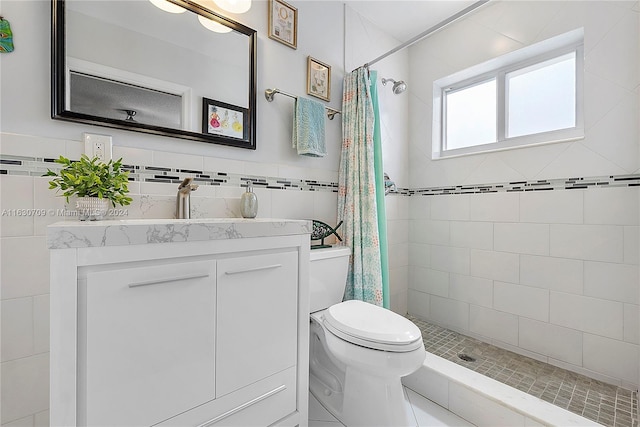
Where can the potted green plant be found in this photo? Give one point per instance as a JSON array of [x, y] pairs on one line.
[[94, 182]]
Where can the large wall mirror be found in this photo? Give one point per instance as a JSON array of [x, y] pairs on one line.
[[128, 64]]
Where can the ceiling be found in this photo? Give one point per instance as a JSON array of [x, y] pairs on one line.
[[404, 19]]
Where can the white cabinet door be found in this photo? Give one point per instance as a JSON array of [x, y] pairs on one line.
[[256, 318], [149, 350]]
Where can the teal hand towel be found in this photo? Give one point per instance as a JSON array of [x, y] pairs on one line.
[[308, 128]]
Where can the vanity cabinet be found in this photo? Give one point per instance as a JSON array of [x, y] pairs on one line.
[[197, 333]]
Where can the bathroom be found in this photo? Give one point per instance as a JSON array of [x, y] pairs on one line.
[[522, 270]]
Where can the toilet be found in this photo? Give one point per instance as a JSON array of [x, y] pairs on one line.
[[358, 351]]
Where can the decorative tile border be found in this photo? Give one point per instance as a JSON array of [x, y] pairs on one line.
[[37, 166], [30, 166], [537, 185]]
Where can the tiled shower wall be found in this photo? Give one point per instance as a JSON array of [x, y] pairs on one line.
[[549, 274]]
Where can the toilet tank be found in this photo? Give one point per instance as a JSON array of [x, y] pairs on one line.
[[328, 269]]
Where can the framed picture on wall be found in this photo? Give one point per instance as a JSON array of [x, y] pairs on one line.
[[318, 79], [227, 121], [283, 23]]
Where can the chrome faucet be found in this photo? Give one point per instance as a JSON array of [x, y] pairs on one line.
[[183, 198]]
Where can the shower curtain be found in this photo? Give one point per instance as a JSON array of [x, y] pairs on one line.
[[357, 204]]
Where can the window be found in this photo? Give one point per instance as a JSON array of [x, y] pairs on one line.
[[531, 96]]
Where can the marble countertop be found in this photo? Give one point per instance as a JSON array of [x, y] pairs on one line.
[[87, 234]]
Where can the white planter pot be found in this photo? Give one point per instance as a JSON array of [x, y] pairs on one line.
[[92, 208]]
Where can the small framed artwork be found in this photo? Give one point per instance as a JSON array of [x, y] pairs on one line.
[[318, 79], [283, 23], [229, 122]]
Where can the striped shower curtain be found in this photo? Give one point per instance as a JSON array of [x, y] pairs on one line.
[[357, 190]]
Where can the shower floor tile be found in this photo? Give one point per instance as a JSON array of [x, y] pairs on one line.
[[604, 403]]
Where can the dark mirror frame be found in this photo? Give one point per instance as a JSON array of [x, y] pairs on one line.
[[58, 83]]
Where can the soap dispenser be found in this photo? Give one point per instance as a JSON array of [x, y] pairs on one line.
[[249, 202]]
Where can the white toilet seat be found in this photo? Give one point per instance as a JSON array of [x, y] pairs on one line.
[[374, 327]]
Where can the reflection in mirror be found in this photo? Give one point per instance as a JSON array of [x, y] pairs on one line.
[[130, 65]]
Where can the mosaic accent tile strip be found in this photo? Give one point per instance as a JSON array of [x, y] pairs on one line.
[[35, 166], [604, 403], [538, 185]]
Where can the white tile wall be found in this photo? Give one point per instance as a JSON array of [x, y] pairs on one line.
[[611, 357], [474, 290], [618, 282], [522, 238], [448, 312], [495, 265], [558, 274], [547, 339], [588, 242], [524, 301], [494, 324], [587, 314]]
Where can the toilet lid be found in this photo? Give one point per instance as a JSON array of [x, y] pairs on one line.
[[372, 326]]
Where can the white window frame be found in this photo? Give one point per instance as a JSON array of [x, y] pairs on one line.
[[498, 68]]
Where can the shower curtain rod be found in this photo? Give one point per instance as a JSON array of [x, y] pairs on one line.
[[430, 31]]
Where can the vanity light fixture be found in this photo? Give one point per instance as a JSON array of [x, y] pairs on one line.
[[212, 25], [234, 6], [167, 6]]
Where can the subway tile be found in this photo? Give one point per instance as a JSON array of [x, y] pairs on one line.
[[494, 265], [133, 156], [325, 206], [557, 274], [618, 282], [631, 244], [451, 207], [418, 304], [177, 161], [474, 290], [453, 260], [525, 301], [631, 316], [399, 280], [494, 324], [397, 230], [49, 201], [419, 255], [41, 324], [32, 146], [420, 207], [215, 164], [25, 267], [496, 207], [611, 357], [41, 419], [587, 314], [398, 255], [25, 387], [429, 281], [16, 193], [616, 206], [398, 302], [477, 235], [555, 341], [261, 169], [521, 238], [22, 422], [429, 231], [17, 328], [552, 207], [588, 242], [290, 204], [448, 312]]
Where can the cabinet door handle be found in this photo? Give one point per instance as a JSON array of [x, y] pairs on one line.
[[172, 279], [243, 406], [248, 270]]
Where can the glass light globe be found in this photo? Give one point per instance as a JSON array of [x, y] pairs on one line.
[[167, 6], [213, 25], [234, 6]]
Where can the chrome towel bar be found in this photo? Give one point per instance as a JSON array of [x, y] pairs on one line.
[[270, 93]]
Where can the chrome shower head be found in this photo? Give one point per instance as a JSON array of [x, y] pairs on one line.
[[398, 86]]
